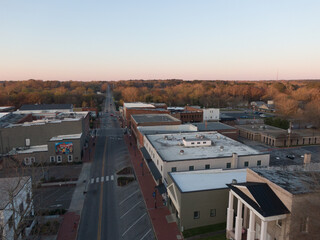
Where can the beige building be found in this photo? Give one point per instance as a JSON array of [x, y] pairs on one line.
[[200, 198], [199, 151], [278, 137], [276, 203]]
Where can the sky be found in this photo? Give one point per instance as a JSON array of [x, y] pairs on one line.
[[149, 39]]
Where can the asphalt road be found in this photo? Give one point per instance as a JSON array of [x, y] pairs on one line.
[[109, 211]]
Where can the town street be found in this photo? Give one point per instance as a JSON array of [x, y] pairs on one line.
[[109, 211]]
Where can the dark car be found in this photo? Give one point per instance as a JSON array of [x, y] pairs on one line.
[[291, 156]]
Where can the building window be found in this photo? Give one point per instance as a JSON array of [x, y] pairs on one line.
[[192, 143], [212, 212], [204, 142], [198, 142], [27, 161], [32, 159], [279, 223], [70, 158], [174, 169], [228, 165], [304, 224], [161, 168], [191, 168], [157, 162], [52, 159], [21, 209], [259, 163], [196, 215], [207, 166], [246, 164], [59, 159]]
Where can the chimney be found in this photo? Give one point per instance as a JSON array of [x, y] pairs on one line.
[[235, 160], [307, 158]]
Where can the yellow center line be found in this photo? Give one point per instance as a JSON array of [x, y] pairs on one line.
[[101, 190]]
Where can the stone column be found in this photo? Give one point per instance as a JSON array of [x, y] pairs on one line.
[[238, 230], [251, 232], [264, 226], [245, 216], [230, 212]]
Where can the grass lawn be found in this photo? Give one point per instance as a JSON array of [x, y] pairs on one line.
[[206, 229], [217, 237]]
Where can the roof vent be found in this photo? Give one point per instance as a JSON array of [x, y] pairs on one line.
[[234, 181], [221, 148], [181, 152]]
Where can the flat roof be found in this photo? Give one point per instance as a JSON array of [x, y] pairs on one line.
[[9, 185], [32, 149], [10, 118], [137, 105], [32, 107], [297, 179], [66, 137], [151, 118], [3, 114], [161, 129], [169, 146], [210, 179], [213, 126]]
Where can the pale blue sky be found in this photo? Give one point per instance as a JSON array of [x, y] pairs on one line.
[[185, 39]]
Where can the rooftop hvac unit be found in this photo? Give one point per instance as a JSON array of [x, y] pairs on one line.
[[221, 148], [28, 142], [181, 152]]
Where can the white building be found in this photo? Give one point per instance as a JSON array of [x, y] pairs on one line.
[[15, 210], [211, 114], [198, 151]]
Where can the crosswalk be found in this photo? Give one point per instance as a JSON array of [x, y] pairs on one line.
[[101, 179]]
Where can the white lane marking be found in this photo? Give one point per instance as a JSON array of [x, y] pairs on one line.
[[111, 177], [128, 197], [107, 178], [102, 179], [145, 234], [92, 180], [97, 179], [134, 224], [130, 209]]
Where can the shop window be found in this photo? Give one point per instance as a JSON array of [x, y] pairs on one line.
[[207, 166], [259, 163], [246, 164], [196, 215], [174, 169], [191, 168], [228, 165], [70, 158], [59, 159], [212, 212], [52, 159]]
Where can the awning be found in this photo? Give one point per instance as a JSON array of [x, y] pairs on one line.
[[145, 154], [161, 188], [154, 171]]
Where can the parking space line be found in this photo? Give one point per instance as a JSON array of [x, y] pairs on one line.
[[97, 179], [129, 197], [111, 177], [145, 234], [130, 209], [107, 178], [92, 180], [102, 179], [134, 224]]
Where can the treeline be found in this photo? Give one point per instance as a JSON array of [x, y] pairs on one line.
[[81, 94], [297, 99]]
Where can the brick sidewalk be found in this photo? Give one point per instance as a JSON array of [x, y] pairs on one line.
[[69, 226], [163, 229]]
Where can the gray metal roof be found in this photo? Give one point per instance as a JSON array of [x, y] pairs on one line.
[[213, 126]]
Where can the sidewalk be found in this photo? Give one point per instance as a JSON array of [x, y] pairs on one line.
[[162, 229], [69, 226]]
